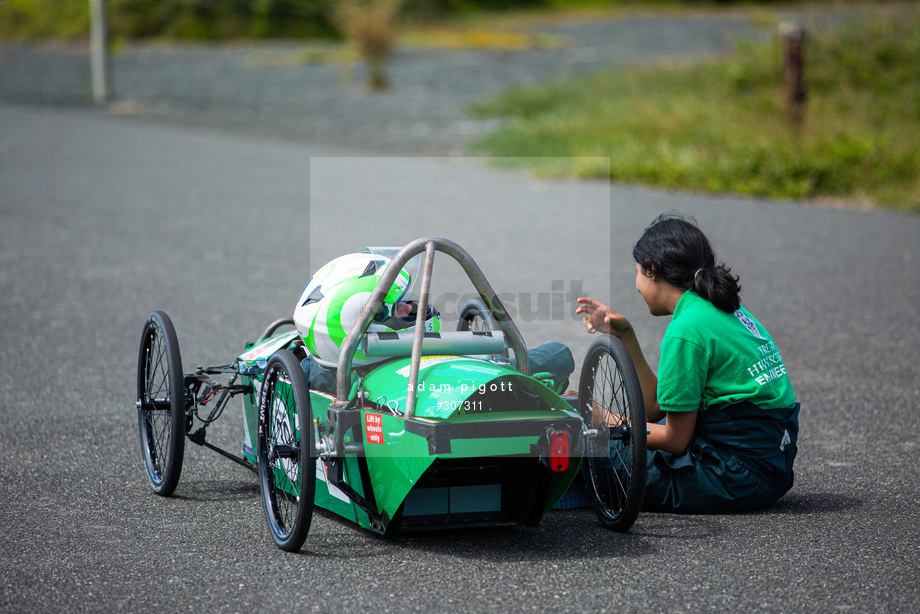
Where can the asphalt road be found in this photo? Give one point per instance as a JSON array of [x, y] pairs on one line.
[[103, 220]]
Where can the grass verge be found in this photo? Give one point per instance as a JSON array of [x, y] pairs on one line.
[[720, 126]]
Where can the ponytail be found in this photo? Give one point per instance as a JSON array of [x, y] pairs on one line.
[[718, 286], [678, 252]]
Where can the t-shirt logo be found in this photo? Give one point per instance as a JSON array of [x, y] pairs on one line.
[[748, 323], [785, 441]]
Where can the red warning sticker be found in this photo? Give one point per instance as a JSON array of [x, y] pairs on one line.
[[373, 425]]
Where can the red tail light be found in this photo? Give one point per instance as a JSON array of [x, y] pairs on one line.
[[559, 451]]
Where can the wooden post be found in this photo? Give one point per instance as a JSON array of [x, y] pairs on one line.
[[793, 72], [99, 52]]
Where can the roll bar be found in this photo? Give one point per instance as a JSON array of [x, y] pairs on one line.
[[428, 245]]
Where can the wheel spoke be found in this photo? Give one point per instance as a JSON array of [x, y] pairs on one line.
[[159, 386]]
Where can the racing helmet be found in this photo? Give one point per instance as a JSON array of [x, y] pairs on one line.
[[332, 300]]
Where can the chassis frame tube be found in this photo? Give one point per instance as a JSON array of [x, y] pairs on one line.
[[419, 329]]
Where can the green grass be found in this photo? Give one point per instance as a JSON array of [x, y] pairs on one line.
[[720, 126]]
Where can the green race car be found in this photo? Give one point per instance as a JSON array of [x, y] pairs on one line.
[[419, 428]]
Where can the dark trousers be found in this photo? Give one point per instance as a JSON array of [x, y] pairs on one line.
[[740, 459]]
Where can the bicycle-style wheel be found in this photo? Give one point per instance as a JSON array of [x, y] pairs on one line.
[[614, 412], [161, 404], [476, 317], [286, 451]]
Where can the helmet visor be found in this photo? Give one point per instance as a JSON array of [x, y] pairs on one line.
[[412, 267]]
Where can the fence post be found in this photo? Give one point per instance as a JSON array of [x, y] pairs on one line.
[[793, 72], [99, 52]]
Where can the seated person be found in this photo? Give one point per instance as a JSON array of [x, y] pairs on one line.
[[728, 440]]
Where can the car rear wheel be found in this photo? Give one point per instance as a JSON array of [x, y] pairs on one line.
[[286, 451], [614, 414]]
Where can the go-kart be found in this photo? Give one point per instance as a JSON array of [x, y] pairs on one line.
[[443, 432]]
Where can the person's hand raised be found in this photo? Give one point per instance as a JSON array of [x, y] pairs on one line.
[[601, 318]]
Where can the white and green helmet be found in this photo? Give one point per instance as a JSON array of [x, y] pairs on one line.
[[334, 297]]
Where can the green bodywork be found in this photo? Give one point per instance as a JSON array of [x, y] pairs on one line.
[[475, 448]]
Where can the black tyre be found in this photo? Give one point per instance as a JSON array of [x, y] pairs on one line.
[[161, 404], [475, 316], [286, 451], [614, 412]]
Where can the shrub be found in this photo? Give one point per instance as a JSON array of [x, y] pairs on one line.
[[370, 25]]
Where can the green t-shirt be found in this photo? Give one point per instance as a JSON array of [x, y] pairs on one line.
[[711, 358]]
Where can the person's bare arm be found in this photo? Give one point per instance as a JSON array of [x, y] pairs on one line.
[[601, 318], [675, 434]]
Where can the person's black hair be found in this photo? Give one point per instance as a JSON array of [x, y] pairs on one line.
[[676, 250]]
